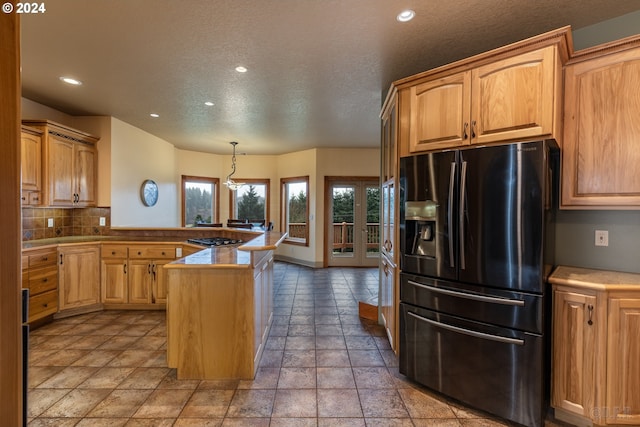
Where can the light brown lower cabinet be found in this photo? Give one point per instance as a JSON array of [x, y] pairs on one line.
[[596, 355], [40, 276], [79, 276], [218, 319]]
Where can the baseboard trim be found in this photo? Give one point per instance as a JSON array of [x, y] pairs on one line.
[[296, 261]]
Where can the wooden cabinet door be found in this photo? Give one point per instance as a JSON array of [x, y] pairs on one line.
[[623, 362], [440, 113], [387, 306], [574, 352], [140, 278], [601, 132], [114, 280], [516, 98], [31, 157], [389, 140], [60, 166], [159, 282], [85, 175], [79, 276]]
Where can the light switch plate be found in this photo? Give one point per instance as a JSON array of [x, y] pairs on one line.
[[49, 222], [103, 221], [602, 238], [178, 252]]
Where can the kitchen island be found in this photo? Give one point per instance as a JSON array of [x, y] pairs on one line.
[[219, 309]]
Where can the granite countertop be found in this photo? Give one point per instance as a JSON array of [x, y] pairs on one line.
[[600, 280], [237, 256]]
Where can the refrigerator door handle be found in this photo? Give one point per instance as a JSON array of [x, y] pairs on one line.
[[469, 332], [452, 180], [463, 190], [494, 300]]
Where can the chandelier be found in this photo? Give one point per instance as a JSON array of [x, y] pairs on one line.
[[229, 182]]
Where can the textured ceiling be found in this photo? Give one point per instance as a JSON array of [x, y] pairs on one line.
[[318, 70]]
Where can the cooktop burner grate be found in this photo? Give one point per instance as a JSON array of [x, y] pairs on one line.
[[215, 241]]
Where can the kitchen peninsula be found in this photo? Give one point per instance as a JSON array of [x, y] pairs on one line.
[[219, 309]]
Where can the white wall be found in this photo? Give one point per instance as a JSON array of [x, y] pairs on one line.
[[135, 156]]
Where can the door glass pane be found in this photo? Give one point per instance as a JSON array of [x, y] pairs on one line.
[[296, 215], [343, 218], [198, 200], [373, 220]]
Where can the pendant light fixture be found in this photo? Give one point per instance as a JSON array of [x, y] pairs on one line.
[[229, 182]]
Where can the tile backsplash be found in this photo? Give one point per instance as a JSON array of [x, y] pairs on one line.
[[66, 222]]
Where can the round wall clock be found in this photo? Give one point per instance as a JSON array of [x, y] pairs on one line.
[[149, 192]]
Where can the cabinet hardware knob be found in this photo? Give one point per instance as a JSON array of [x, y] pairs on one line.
[[45, 280], [23, 198], [590, 308], [45, 305]]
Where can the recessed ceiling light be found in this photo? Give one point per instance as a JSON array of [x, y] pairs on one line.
[[406, 15], [154, 115], [208, 103], [71, 81], [241, 69]]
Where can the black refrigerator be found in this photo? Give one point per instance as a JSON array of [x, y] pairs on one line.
[[476, 237]]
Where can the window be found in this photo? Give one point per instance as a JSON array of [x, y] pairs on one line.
[[295, 209], [200, 200], [251, 201]]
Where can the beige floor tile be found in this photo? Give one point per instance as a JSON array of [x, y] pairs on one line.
[[102, 422], [297, 378], [117, 342], [389, 422], [76, 403], [335, 378], [436, 422], [120, 404], [332, 358], [246, 422], [39, 400], [293, 422], [207, 404], [341, 422], [129, 358], [106, 378], [170, 381], [382, 403], [88, 342], [97, 358], [150, 422], [60, 357], [198, 422], [365, 358], [338, 403], [295, 403], [144, 378], [38, 374], [421, 405], [69, 377], [163, 404], [251, 403], [266, 378], [54, 422], [299, 359], [373, 377]]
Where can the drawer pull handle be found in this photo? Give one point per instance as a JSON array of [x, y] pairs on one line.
[[590, 308]]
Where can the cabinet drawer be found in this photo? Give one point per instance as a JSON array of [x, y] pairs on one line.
[[152, 252], [43, 279], [43, 305], [42, 258], [114, 251]]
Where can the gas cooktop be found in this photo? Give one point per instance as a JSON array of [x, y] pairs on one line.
[[215, 241]]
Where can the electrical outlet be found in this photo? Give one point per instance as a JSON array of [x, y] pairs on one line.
[[178, 252], [50, 222], [602, 238], [103, 221]]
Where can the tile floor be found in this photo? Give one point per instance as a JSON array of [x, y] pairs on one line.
[[322, 366]]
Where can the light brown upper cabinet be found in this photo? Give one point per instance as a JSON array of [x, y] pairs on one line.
[[31, 165], [512, 93], [601, 147], [69, 165], [515, 98]]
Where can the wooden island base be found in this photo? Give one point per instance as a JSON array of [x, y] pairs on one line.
[[218, 316]]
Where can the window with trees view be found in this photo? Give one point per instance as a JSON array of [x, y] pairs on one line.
[[200, 200], [295, 209], [251, 201]]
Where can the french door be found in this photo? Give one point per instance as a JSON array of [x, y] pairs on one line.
[[352, 222]]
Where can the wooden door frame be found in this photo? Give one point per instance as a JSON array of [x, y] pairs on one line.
[[328, 182], [11, 402]]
